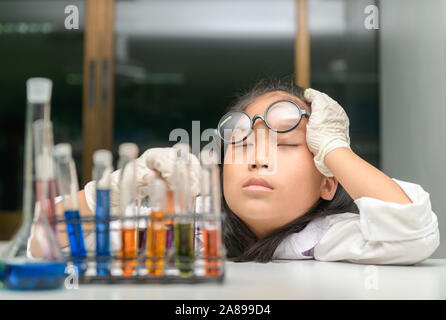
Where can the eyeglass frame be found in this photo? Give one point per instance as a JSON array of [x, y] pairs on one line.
[[302, 112]]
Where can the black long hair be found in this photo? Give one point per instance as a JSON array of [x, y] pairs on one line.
[[240, 242]]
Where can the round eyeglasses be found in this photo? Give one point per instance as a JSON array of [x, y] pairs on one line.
[[280, 116]]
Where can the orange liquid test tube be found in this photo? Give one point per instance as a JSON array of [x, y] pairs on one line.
[[210, 190], [212, 250], [156, 244], [156, 230], [128, 251]]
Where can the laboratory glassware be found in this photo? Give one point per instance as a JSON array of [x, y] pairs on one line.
[[33, 260], [68, 187], [128, 152], [211, 211], [184, 229], [156, 232], [102, 170]]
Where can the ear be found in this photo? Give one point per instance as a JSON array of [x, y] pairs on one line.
[[329, 185]]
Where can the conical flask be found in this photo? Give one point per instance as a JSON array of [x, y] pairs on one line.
[[34, 260]]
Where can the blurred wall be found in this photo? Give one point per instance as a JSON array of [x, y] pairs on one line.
[[413, 96]]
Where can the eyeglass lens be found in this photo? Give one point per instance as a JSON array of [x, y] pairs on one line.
[[280, 116]]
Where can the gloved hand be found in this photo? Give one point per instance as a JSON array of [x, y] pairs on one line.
[[152, 163], [163, 160], [327, 128]]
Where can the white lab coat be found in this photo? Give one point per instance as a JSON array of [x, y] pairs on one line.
[[382, 233]]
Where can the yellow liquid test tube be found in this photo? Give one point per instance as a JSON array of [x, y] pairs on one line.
[[156, 243]]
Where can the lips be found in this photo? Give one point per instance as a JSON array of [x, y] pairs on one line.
[[257, 184]]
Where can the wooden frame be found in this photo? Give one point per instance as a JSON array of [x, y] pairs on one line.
[[98, 84], [302, 46]]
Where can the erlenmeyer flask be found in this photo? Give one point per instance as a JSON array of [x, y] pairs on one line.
[[34, 260]]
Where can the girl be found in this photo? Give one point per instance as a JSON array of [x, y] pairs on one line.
[[325, 202], [315, 199]]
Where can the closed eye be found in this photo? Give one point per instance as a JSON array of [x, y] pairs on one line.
[[287, 145], [243, 145]]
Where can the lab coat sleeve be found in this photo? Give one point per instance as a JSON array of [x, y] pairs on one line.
[[383, 232], [299, 246]]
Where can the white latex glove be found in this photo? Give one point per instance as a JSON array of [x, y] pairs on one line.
[[327, 128], [163, 161], [152, 163]]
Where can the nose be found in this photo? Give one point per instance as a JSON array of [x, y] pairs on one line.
[[259, 158], [259, 162]]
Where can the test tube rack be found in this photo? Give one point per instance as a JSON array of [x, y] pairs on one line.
[[203, 268]]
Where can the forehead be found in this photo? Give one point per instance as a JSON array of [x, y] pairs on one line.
[[259, 105]]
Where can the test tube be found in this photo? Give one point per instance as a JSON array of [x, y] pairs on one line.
[[102, 160], [211, 197], [142, 207], [142, 227], [68, 188], [170, 248], [45, 175], [38, 93], [128, 253], [184, 226], [156, 232]]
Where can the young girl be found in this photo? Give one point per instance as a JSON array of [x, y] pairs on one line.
[[315, 199]]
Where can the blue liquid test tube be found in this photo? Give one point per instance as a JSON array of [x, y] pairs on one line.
[[102, 169], [68, 188]]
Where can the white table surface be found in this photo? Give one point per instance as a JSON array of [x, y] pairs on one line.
[[304, 279]]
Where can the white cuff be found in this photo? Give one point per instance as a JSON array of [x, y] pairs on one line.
[[390, 221], [90, 195], [300, 245]]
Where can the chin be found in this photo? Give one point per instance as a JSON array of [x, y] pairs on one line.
[[258, 213]]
